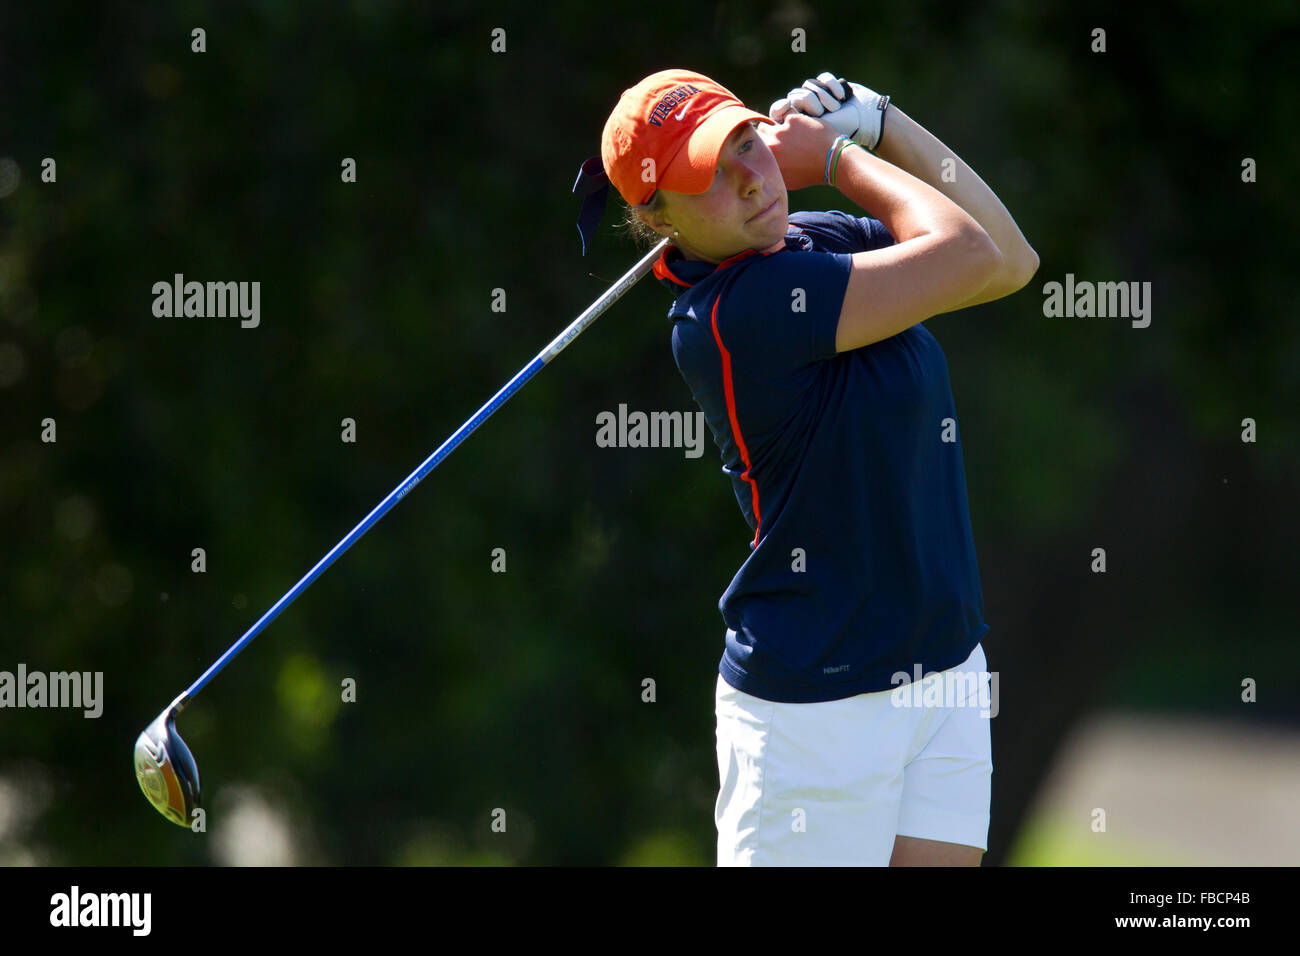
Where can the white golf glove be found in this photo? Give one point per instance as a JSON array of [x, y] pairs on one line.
[[850, 109]]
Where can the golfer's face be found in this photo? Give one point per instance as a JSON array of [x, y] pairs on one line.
[[745, 208]]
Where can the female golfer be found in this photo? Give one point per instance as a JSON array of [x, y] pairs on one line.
[[842, 736]]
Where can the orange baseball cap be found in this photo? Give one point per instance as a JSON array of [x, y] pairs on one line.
[[667, 132]]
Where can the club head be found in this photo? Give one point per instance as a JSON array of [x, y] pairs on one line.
[[165, 768]]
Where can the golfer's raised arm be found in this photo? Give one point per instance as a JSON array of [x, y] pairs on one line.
[[941, 259], [911, 147]]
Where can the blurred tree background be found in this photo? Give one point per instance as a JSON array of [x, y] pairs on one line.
[[522, 690]]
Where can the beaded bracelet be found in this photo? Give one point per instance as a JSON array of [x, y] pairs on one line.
[[831, 153], [834, 163]]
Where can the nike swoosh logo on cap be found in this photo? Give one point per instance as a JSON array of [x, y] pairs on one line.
[[681, 114]]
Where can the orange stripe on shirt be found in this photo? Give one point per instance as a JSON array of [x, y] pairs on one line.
[[731, 414], [662, 271]]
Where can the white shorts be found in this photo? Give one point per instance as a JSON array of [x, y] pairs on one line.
[[832, 784]]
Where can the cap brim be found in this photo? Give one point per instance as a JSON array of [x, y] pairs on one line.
[[691, 170]]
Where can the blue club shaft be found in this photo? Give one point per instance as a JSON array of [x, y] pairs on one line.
[[557, 345]]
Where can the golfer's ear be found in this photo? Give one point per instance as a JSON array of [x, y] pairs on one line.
[[657, 221]]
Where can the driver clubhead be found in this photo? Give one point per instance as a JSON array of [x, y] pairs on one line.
[[166, 770]]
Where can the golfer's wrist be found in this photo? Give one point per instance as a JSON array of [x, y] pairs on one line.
[[900, 142], [834, 155]]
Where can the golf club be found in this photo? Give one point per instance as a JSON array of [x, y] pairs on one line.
[[164, 766]]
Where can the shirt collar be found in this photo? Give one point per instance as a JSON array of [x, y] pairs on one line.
[[677, 274]]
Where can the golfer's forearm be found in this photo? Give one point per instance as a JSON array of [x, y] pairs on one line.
[[909, 146], [908, 207]]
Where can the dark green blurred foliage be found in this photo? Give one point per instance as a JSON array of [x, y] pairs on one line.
[[522, 690]]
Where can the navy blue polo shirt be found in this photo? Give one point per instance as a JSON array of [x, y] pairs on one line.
[[862, 562]]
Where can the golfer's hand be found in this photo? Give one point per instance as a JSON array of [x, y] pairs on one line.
[[824, 94], [799, 145], [851, 108]]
